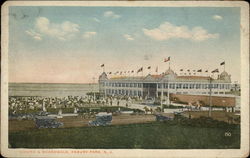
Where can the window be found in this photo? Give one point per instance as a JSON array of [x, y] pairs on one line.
[[206, 86], [210, 86], [135, 92], [139, 93], [171, 85], [198, 86], [216, 86], [165, 85], [191, 86], [203, 86], [126, 92], [159, 85], [178, 86], [222, 86], [185, 86], [135, 84], [130, 92]]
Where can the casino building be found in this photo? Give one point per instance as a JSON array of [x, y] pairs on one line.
[[152, 86]]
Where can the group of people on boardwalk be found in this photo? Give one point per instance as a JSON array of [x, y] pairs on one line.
[[26, 103]]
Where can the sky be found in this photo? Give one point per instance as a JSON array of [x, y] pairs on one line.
[[68, 44]]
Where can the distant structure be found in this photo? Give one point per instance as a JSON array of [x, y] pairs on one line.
[[153, 86]]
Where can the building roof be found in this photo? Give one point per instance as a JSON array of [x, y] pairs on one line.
[[224, 73], [156, 76], [173, 76], [169, 71], [194, 77], [126, 77]]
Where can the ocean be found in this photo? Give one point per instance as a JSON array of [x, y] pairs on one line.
[[51, 89]]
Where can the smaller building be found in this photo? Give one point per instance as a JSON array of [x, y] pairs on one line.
[[202, 100]]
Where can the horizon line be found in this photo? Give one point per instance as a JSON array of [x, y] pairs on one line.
[[52, 83]]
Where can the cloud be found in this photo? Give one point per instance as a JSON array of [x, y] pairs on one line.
[[61, 31], [34, 34], [96, 20], [110, 14], [217, 17], [88, 34], [128, 37], [168, 31]]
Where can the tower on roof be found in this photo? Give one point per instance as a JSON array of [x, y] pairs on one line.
[[169, 71], [103, 76], [225, 76]]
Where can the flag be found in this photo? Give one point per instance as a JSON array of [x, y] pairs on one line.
[[223, 63], [149, 67], [216, 70], [140, 70], [199, 70], [102, 65], [110, 72], [132, 71], [188, 70], [206, 71], [156, 69], [181, 69], [167, 59]]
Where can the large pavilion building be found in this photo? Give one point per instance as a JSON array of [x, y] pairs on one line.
[[153, 86]]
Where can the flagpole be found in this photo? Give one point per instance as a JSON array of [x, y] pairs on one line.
[[224, 66]]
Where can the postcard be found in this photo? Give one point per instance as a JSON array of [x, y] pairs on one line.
[[125, 79]]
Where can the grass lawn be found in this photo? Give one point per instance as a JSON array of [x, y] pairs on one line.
[[156, 135]]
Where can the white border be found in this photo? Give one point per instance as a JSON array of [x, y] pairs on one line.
[[242, 152]]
